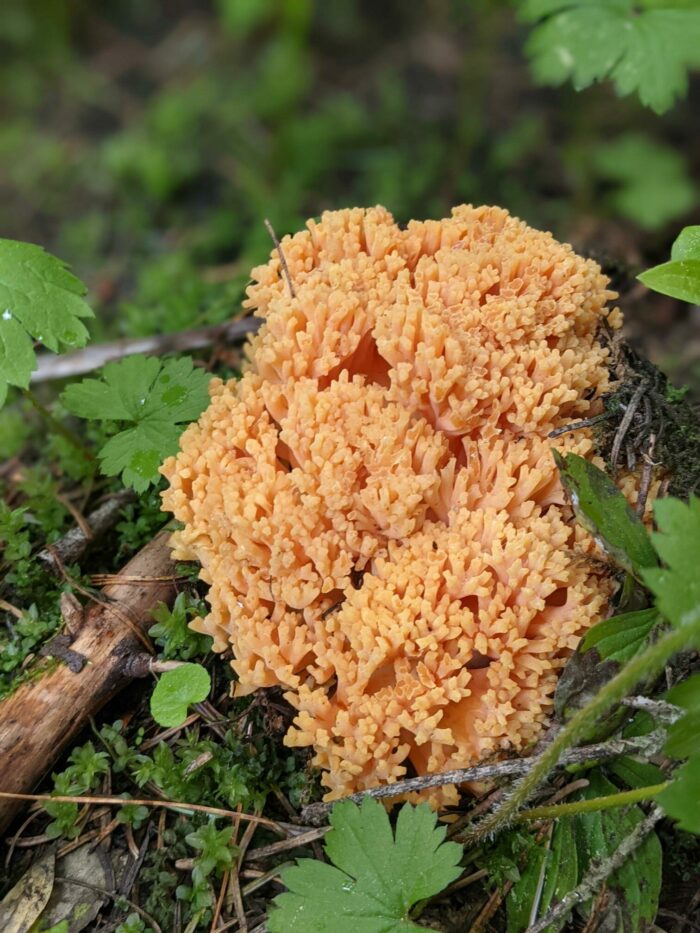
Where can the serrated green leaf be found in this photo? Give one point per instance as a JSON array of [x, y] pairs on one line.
[[138, 452], [121, 393], [683, 736], [635, 887], [646, 51], [652, 183], [686, 694], [682, 799], [377, 875], [176, 690], [603, 510], [157, 397], [677, 542], [40, 300], [621, 637]]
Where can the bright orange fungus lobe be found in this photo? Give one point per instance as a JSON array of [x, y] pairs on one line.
[[375, 504]]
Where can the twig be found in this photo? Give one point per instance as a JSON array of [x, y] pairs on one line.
[[578, 425], [621, 432], [284, 845], [283, 261], [648, 663], [71, 547], [599, 873], [649, 744], [180, 806], [661, 710], [13, 610], [647, 473], [50, 366]]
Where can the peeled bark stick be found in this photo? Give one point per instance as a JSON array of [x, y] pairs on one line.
[[45, 714], [51, 366]]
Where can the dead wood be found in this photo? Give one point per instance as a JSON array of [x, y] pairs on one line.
[[46, 712], [71, 547], [52, 366]]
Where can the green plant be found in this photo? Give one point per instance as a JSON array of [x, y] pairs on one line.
[[175, 639], [650, 182], [133, 924], [176, 690], [643, 46], [561, 860], [679, 278], [377, 875], [85, 769], [157, 398], [40, 299]]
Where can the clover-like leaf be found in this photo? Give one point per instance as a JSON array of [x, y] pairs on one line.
[[176, 690]]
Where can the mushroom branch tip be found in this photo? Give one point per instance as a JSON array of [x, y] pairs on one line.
[[375, 504]]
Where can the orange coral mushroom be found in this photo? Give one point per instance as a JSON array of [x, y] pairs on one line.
[[375, 504]]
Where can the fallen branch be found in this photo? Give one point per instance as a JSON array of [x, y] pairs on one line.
[[179, 806], [50, 366], [46, 712], [71, 547], [646, 745], [599, 873]]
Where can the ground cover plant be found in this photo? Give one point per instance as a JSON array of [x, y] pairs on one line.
[[151, 156]]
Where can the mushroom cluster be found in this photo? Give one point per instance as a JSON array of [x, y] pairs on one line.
[[375, 505]]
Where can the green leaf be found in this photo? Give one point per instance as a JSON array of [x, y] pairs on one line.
[[158, 397], [520, 901], [376, 878], [683, 735], [647, 51], [687, 245], [636, 773], [534, 893], [634, 888], [621, 637], [678, 279], [176, 690], [603, 510], [682, 799], [40, 300], [677, 585], [652, 184]]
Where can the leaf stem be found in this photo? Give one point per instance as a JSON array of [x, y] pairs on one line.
[[57, 425], [593, 804], [648, 663]]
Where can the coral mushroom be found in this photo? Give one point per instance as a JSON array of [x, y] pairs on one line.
[[375, 504]]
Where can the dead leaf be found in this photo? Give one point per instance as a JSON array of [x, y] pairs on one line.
[[21, 907]]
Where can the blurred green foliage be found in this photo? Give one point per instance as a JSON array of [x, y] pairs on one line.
[[145, 143]]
